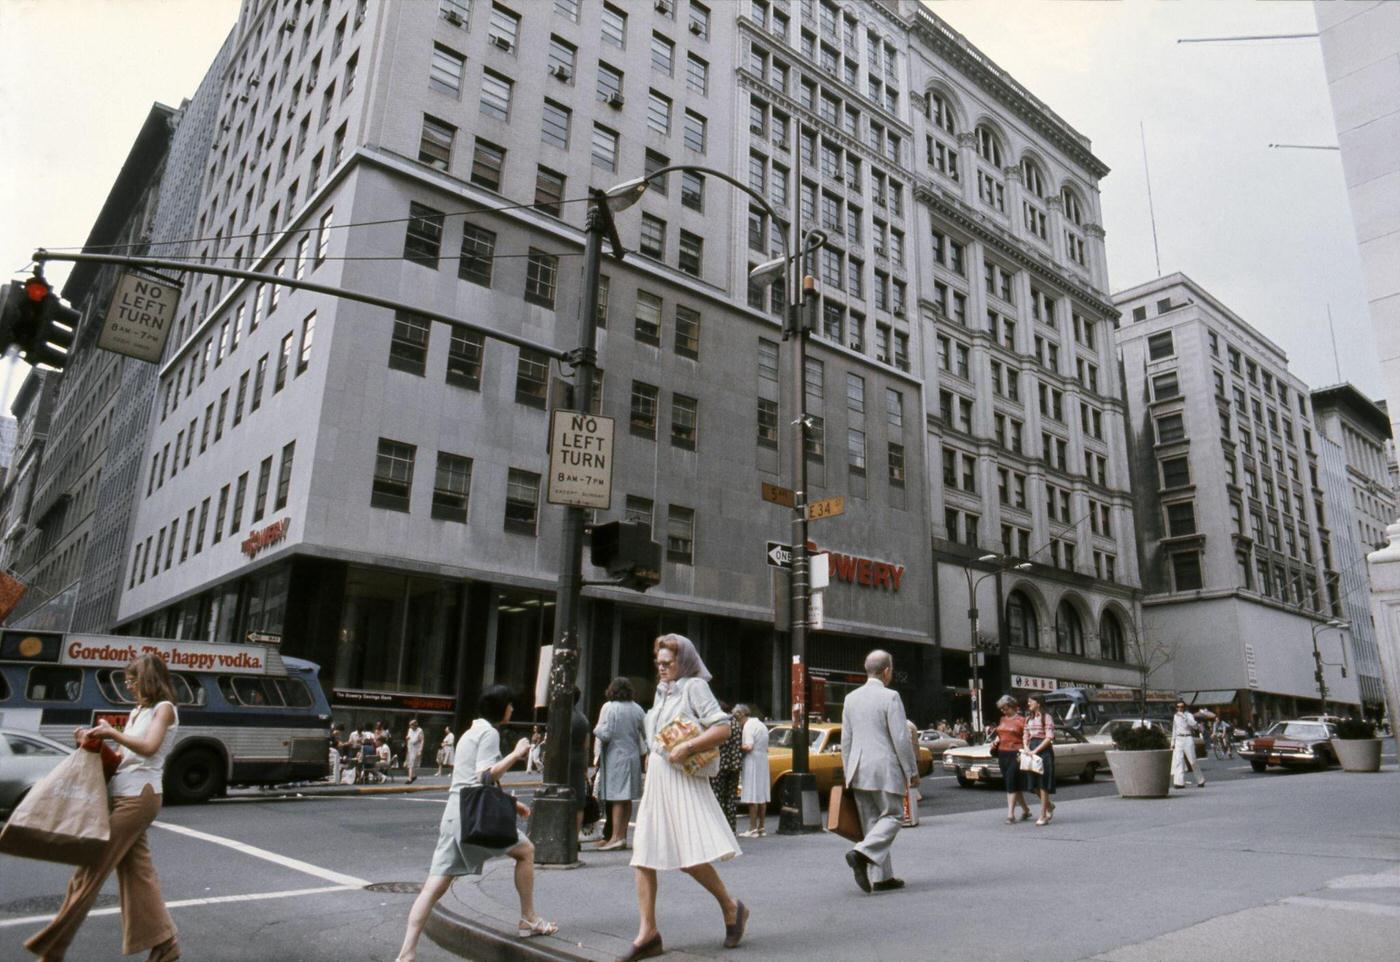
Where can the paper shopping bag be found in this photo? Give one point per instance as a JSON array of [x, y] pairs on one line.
[[842, 817], [64, 817]]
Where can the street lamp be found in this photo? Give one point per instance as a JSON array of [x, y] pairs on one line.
[[1318, 663], [973, 655], [553, 828]]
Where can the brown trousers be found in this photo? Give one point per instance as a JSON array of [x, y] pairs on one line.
[[145, 921]]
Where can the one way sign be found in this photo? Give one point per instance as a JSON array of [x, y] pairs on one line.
[[779, 555]]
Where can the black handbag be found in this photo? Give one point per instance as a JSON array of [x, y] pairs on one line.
[[487, 817]]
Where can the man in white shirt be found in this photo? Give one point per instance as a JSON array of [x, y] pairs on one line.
[[1184, 731]]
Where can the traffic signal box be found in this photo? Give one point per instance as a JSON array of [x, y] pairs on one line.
[[34, 319], [625, 550]]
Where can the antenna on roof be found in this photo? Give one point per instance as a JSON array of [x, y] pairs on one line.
[[1151, 211]]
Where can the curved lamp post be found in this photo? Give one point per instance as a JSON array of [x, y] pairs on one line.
[[553, 828], [972, 585], [1319, 664]]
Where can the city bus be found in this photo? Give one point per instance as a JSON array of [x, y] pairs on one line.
[[1086, 708], [248, 716]]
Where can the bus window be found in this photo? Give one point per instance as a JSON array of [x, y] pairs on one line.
[[4, 689], [294, 692], [112, 684], [188, 690], [254, 692], [54, 683]]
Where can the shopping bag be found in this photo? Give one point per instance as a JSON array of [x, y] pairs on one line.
[[64, 817], [842, 817]]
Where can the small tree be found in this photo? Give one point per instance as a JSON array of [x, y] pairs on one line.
[[1150, 655]]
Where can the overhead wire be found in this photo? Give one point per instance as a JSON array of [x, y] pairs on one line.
[[284, 235]]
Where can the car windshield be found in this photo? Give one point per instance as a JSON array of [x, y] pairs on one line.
[[1304, 730], [782, 737]]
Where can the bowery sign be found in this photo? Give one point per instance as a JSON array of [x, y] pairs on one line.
[[259, 541]]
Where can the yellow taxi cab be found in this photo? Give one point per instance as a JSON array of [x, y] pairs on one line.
[[823, 756]]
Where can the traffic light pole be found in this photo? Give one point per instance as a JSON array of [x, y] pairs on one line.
[[554, 821]]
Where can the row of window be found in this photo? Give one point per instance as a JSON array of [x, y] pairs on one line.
[[157, 552]]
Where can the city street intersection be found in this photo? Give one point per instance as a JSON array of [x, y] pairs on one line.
[[1277, 866]]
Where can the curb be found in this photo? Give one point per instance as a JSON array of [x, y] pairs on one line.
[[336, 791]]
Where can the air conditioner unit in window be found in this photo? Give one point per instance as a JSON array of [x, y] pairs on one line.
[[289, 25], [560, 71], [662, 6], [696, 29], [452, 17], [253, 81], [360, 18], [615, 100], [498, 41], [857, 346]]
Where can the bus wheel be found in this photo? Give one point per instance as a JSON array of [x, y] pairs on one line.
[[194, 776]]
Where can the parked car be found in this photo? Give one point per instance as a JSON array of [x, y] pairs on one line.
[[1106, 731], [938, 742], [1075, 756], [1291, 744], [25, 757], [823, 755]]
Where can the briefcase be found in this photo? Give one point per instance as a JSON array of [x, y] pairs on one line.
[[842, 817]]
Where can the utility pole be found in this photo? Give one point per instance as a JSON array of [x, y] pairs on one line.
[[553, 823]]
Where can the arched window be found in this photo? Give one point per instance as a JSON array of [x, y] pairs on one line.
[[1021, 623], [1073, 211], [1111, 642], [988, 145], [1035, 181], [941, 113], [1069, 630]]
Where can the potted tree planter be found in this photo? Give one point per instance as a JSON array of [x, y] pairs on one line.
[[1141, 763], [1357, 747]]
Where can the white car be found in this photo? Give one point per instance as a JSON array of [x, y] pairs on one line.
[[25, 757], [1104, 735], [1075, 756]]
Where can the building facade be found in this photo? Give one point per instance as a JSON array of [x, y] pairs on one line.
[[369, 485], [1355, 432], [33, 412], [1238, 556]]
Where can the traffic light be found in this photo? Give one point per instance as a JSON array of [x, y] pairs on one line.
[[626, 551], [33, 318]]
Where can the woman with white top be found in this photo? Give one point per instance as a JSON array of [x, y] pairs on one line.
[[134, 799], [679, 823], [413, 749], [754, 783], [478, 761], [445, 750]]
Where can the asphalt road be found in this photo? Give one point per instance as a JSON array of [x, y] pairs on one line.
[[284, 877]]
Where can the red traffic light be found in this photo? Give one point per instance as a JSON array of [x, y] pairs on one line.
[[36, 288]]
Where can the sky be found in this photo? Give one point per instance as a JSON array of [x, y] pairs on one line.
[[1267, 231]]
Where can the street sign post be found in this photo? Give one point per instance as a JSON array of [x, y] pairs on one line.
[[139, 318], [826, 508], [580, 460]]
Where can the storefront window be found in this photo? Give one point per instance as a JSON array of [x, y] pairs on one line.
[[524, 622], [397, 633]]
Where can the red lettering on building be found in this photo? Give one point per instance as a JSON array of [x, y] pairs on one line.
[[865, 572], [259, 541]]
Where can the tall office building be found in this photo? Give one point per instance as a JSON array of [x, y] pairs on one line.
[[1355, 434], [1239, 563], [369, 484]]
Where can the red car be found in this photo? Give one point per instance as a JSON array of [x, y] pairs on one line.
[[1291, 744]]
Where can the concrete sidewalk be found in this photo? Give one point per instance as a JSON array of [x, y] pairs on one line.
[[1291, 866]]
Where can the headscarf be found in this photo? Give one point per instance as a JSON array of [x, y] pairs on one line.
[[688, 663]]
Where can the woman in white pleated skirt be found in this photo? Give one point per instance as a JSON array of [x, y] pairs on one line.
[[679, 823]]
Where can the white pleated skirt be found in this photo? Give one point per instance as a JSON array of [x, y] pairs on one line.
[[679, 821]]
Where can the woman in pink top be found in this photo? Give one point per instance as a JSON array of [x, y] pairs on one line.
[[1040, 740], [1009, 739]]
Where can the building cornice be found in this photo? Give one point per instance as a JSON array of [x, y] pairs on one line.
[[953, 47]]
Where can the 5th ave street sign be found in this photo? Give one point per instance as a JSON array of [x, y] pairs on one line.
[[580, 460]]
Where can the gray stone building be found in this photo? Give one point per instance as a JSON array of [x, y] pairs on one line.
[[367, 483], [1361, 502], [33, 410], [1238, 556]]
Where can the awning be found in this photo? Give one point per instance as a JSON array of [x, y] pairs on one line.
[[1218, 696]]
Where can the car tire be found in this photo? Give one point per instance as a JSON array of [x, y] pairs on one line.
[[1259, 766], [1090, 770], [194, 776], [963, 780]]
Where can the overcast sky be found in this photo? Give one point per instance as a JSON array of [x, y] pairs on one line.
[[1267, 231]]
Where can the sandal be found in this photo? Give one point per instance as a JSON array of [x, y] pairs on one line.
[[526, 929], [1026, 815], [1010, 820]]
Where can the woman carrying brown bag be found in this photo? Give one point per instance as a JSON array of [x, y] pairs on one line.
[[135, 797]]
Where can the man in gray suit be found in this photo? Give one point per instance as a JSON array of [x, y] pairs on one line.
[[878, 758]]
